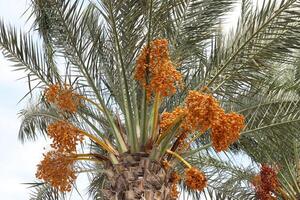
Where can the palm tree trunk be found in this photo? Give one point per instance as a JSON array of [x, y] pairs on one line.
[[137, 177]]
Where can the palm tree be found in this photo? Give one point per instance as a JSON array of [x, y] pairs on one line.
[[140, 94]]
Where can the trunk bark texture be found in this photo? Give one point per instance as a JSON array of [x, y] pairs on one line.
[[137, 177]]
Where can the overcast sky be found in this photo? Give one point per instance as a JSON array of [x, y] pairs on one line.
[[17, 162]]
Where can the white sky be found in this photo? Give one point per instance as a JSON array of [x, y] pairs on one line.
[[17, 162]]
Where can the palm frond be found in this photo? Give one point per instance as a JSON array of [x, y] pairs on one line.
[[228, 178], [276, 114], [35, 121], [43, 191], [25, 53], [262, 40]]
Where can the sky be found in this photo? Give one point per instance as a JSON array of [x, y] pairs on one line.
[[17, 161]]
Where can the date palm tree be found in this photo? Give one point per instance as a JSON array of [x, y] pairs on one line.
[[146, 96]]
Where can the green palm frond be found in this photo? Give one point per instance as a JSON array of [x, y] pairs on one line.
[[26, 54], [43, 191], [263, 39], [272, 120], [35, 121], [228, 175], [213, 194], [97, 185]]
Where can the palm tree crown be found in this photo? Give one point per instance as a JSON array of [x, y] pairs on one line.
[[155, 89]]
